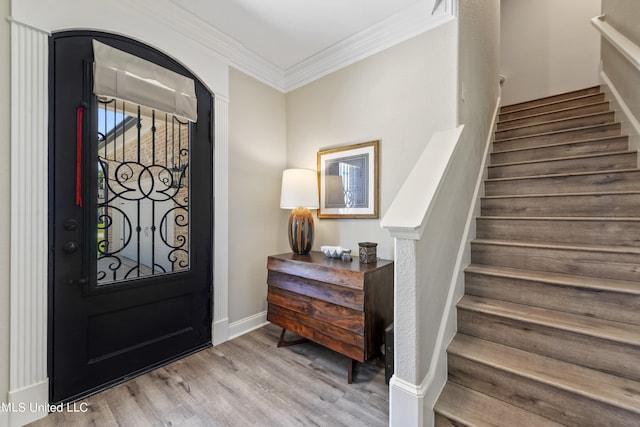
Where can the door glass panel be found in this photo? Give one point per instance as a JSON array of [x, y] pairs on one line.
[[143, 192]]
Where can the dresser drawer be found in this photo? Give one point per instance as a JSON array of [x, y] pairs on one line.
[[336, 315], [331, 271], [334, 294], [348, 343]]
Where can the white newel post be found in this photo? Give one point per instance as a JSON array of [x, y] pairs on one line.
[[28, 381], [406, 397], [406, 393]]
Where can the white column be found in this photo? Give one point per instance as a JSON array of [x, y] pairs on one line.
[[221, 221], [406, 398], [28, 381]]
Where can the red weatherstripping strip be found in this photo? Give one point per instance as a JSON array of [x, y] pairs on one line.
[[79, 113]]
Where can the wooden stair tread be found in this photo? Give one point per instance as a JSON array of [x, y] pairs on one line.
[[608, 230], [582, 116], [572, 378], [561, 175], [560, 159], [551, 99], [469, 407], [561, 110], [562, 218], [623, 333], [554, 132], [586, 193], [559, 144], [589, 98], [567, 280], [631, 250]]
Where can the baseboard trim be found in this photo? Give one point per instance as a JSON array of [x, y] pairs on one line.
[[28, 404], [220, 331], [247, 324], [406, 404]]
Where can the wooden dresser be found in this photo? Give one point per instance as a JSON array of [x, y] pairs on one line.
[[344, 306]]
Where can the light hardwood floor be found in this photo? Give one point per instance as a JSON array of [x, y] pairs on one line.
[[244, 382]]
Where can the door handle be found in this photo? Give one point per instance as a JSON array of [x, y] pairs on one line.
[[70, 247]]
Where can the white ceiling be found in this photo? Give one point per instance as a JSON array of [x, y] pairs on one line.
[[285, 33]]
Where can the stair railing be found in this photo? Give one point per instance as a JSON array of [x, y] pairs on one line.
[[629, 49], [631, 52]]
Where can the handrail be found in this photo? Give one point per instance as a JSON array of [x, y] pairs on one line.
[[628, 48], [408, 212]]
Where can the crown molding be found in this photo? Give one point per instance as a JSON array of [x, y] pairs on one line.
[[396, 29], [400, 27], [408, 23], [258, 68]]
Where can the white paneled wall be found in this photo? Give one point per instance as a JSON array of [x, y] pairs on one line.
[[28, 380]]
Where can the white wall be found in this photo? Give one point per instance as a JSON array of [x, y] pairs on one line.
[[548, 47], [257, 156], [624, 16], [5, 197], [399, 96]]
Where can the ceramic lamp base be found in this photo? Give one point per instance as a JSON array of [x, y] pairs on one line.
[[301, 231]]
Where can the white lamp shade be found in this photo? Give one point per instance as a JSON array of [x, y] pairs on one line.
[[299, 189]]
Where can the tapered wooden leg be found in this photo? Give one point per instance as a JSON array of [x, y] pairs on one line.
[[283, 343], [350, 364]]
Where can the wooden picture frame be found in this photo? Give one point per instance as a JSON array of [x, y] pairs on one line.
[[348, 181]]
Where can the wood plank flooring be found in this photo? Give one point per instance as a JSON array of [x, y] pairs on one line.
[[244, 382]]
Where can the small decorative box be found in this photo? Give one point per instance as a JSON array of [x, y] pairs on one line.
[[368, 253]]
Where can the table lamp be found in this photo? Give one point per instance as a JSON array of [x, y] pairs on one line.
[[300, 193]]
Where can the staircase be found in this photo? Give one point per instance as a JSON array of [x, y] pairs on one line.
[[549, 327]]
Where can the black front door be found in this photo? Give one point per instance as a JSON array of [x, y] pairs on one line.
[[130, 225]]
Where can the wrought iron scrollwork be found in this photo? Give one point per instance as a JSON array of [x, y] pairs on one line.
[[143, 206]]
